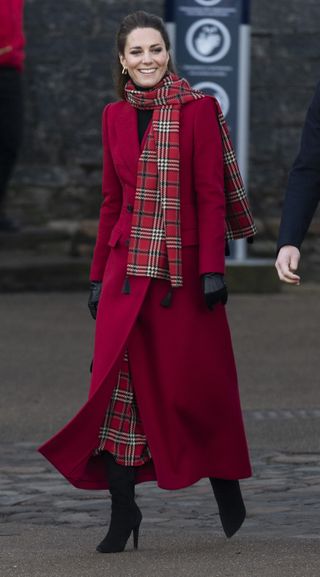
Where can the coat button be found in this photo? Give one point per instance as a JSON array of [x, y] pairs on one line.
[[126, 242], [130, 208]]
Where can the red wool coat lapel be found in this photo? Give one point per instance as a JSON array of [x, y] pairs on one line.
[[128, 135]]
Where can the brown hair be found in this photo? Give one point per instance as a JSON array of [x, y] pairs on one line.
[[139, 19]]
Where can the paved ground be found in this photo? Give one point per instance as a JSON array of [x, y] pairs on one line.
[[49, 528]]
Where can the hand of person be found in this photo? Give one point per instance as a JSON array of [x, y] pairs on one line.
[[6, 49], [287, 264], [94, 295], [214, 289]]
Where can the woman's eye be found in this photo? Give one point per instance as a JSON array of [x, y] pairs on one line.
[[137, 52]]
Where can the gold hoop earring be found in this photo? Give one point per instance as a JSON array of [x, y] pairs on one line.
[[124, 70]]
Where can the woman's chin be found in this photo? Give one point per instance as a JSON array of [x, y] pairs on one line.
[[148, 82]]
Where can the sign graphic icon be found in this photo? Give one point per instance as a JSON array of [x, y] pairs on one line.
[[208, 2], [208, 40], [214, 89]]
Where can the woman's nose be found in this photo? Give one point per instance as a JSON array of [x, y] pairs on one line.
[[147, 57]]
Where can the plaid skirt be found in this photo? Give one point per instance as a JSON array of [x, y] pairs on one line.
[[122, 432]]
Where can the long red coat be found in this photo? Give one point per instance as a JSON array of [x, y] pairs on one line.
[[12, 39], [181, 357]]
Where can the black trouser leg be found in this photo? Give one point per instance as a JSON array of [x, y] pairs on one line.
[[11, 121]]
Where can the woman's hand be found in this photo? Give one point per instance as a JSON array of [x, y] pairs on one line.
[[287, 263], [94, 295], [214, 289]]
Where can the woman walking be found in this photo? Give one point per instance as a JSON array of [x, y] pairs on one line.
[[164, 402]]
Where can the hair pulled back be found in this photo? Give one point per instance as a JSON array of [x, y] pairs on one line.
[[139, 19]]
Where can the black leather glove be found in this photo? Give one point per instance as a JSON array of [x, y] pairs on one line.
[[95, 290], [214, 289]]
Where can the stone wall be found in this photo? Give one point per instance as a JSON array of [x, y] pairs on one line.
[[68, 80], [285, 70]]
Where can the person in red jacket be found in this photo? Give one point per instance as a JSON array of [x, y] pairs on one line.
[[11, 100], [164, 402]]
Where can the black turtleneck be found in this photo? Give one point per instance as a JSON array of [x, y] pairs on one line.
[[144, 116]]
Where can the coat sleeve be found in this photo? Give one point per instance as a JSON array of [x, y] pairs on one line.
[[209, 187], [111, 205], [303, 188]]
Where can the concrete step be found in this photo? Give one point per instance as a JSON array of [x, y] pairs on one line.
[[254, 275], [20, 271], [57, 257]]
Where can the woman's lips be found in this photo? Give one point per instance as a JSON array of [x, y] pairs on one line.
[[147, 70]]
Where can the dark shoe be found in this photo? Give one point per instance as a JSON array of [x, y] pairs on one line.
[[8, 225], [230, 504], [122, 524], [125, 513]]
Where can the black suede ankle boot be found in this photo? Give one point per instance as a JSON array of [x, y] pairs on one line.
[[125, 513], [230, 504]]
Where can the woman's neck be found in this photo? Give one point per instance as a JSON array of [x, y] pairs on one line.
[[142, 88]]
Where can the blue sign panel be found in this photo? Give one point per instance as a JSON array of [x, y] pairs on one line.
[[211, 40], [207, 49]]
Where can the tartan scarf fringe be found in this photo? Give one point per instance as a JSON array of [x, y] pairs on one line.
[[239, 220], [155, 239]]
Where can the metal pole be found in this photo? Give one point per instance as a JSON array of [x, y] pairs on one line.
[[169, 18], [242, 143]]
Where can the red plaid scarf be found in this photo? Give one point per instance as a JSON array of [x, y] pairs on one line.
[[155, 240]]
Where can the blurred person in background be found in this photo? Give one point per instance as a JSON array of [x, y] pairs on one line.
[[11, 100], [302, 196], [164, 402]]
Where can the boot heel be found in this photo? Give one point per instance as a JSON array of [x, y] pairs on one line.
[[135, 531]]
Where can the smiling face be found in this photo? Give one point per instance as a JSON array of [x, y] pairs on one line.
[[145, 57]]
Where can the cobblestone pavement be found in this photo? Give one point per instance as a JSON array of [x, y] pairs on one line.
[[282, 497], [50, 529]]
